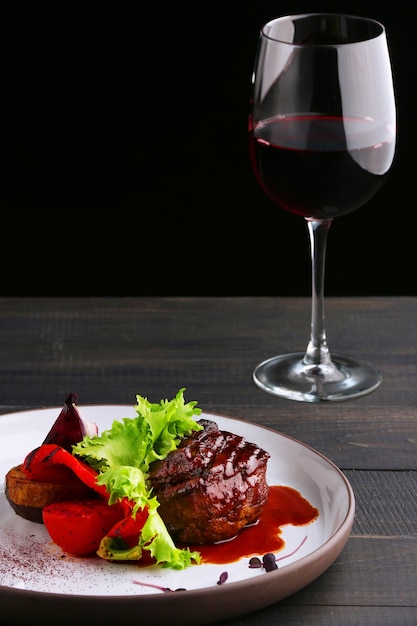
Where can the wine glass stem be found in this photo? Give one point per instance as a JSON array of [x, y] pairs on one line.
[[317, 352]]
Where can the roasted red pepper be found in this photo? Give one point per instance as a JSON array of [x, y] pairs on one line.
[[129, 528], [122, 541], [51, 463]]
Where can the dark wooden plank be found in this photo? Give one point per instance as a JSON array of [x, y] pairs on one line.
[[371, 571], [109, 349], [386, 503], [300, 615], [227, 335], [353, 435]]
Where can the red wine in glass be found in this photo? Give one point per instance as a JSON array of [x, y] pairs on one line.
[[322, 132], [319, 166]]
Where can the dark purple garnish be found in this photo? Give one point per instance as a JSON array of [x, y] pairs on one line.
[[223, 577], [269, 562]]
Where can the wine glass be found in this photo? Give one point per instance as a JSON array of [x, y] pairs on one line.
[[322, 133]]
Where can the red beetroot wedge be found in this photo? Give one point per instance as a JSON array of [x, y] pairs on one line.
[[70, 427]]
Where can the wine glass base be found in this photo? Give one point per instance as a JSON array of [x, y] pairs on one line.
[[343, 378]]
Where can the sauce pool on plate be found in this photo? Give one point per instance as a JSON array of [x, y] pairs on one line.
[[285, 506]]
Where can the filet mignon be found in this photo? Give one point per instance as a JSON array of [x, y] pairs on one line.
[[211, 486]]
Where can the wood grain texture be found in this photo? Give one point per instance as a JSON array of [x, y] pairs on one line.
[[107, 350]]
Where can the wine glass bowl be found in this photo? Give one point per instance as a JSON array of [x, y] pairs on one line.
[[322, 133]]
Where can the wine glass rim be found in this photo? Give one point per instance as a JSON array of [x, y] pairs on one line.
[[298, 16]]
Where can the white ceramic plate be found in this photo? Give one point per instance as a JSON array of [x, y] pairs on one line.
[[37, 583]]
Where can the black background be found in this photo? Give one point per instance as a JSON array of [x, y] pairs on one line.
[[125, 165]]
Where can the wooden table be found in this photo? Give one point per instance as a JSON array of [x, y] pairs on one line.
[[109, 349]]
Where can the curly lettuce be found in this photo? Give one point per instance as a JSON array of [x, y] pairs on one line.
[[122, 456]]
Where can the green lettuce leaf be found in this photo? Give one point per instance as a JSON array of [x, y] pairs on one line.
[[122, 456]]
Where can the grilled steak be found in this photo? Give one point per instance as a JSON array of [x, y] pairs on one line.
[[211, 486]]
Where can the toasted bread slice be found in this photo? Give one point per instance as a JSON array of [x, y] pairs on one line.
[[28, 497]]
